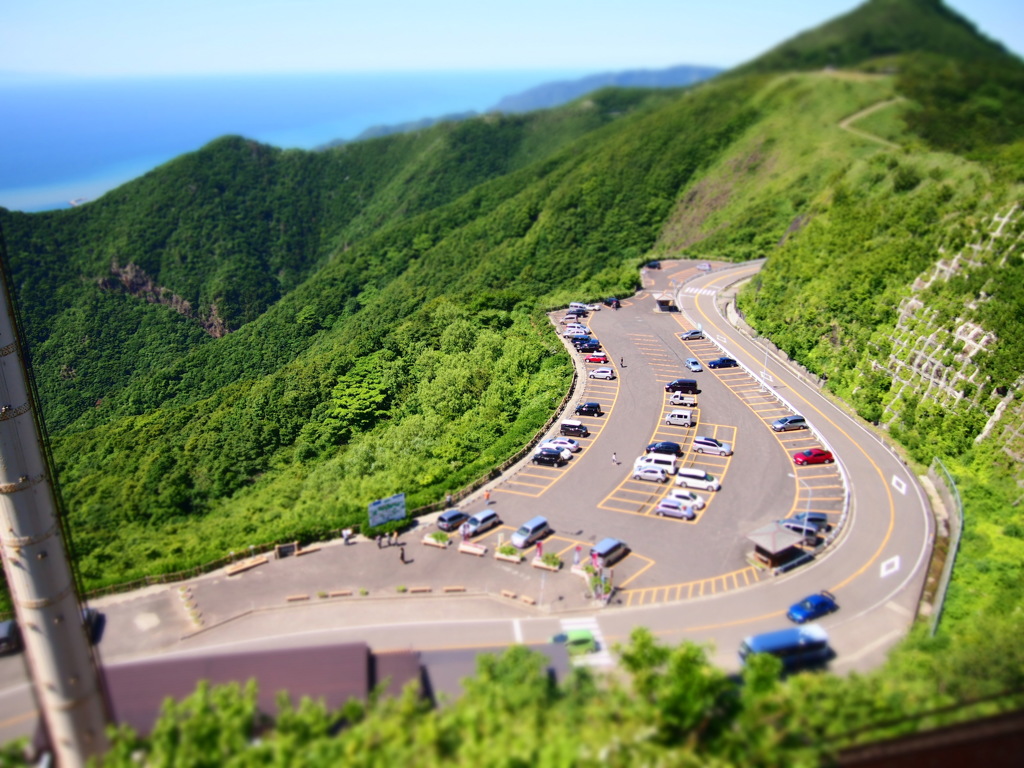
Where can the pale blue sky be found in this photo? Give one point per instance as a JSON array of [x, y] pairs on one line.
[[142, 37]]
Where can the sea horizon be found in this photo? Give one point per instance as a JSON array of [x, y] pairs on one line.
[[74, 139]]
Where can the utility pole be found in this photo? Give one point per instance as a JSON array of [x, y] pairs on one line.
[[61, 663]]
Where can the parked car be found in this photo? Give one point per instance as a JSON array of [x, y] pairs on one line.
[[808, 530], [691, 335], [551, 457], [693, 364], [653, 474], [574, 427], [588, 345], [654, 265], [563, 442], [564, 452], [10, 637], [529, 532], [593, 307], [819, 519], [722, 362], [689, 386], [670, 507], [451, 519], [681, 417], [813, 607], [688, 497], [602, 373], [609, 551], [611, 301], [813, 456], [596, 357], [704, 444], [665, 446], [787, 423], [482, 521], [678, 398], [589, 408], [93, 621]]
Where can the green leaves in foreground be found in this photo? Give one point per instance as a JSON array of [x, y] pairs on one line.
[[673, 709]]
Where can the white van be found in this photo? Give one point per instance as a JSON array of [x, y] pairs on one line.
[[577, 305], [691, 477], [666, 461], [681, 418]]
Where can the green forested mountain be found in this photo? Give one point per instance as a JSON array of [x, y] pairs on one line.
[[250, 344]]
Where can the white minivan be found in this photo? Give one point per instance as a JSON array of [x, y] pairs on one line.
[[697, 478], [664, 460]]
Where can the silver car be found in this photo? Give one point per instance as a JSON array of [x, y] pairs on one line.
[[703, 444], [693, 364]]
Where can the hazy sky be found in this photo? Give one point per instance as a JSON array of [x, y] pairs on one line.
[[143, 37]]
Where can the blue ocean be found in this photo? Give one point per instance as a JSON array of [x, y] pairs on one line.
[[64, 140]]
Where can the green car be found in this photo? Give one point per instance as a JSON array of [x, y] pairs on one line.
[[577, 641]]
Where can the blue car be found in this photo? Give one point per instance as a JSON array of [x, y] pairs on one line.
[[813, 607]]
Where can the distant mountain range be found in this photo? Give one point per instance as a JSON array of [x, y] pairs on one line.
[[555, 94]]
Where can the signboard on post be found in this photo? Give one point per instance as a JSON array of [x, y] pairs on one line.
[[385, 510]]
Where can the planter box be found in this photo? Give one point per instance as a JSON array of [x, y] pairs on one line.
[[432, 542], [515, 558], [472, 549], [538, 563]]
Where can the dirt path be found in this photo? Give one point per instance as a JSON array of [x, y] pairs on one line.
[[847, 123]]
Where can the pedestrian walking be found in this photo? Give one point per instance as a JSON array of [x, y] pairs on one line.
[[346, 535], [615, 458], [401, 555], [576, 555], [448, 500], [622, 362], [391, 538], [487, 497], [380, 541]]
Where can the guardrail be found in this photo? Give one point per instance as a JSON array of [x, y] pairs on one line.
[[946, 487], [768, 389]]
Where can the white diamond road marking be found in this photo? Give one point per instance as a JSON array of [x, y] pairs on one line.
[[890, 566], [603, 657], [899, 485]]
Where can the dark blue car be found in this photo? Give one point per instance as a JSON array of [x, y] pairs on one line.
[[813, 607]]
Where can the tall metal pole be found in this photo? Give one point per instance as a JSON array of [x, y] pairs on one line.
[[60, 659]]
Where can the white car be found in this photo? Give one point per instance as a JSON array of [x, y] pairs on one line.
[[575, 330], [593, 307], [687, 496], [564, 452], [563, 442], [653, 474], [602, 373], [669, 507]]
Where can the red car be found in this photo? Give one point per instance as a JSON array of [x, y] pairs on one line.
[[596, 357], [813, 456]]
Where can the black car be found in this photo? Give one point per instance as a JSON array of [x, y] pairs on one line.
[[589, 409], [654, 265], [688, 386], [93, 621], [611, 301], [722, 362], [665, 446], [549, 456], [451, 519], [10, 637]]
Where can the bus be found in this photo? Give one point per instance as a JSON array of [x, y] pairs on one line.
[[795, 647]]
